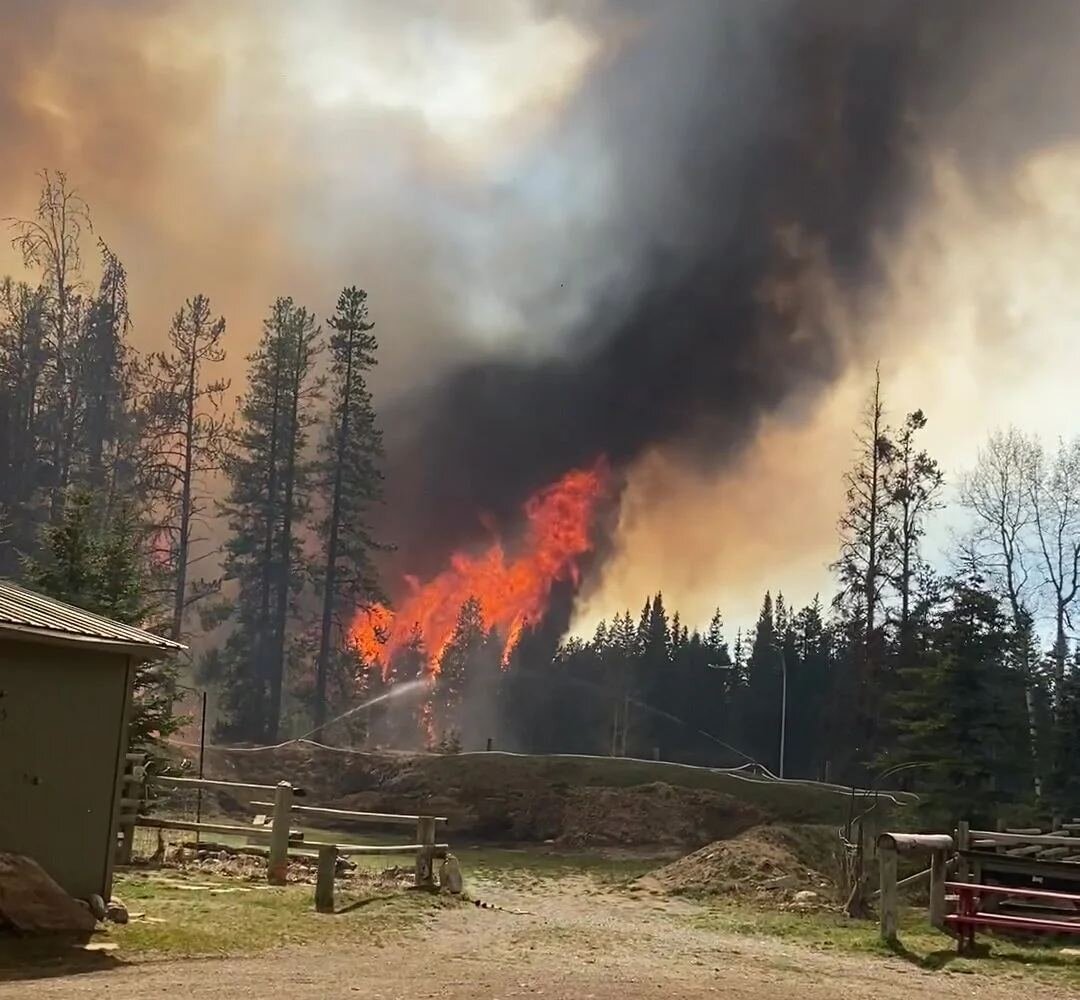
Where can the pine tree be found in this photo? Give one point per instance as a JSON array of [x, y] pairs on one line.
[[458, 658], [867, 546], [762, 708], [1065, 780], [809, 693], [914, 484], [714, 639], [350, 480], [269, 485], [961, 718], [101, 358], [51, 243], [189, 435], [24, 362]]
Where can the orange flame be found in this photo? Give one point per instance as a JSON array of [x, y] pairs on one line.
[[512, 591]]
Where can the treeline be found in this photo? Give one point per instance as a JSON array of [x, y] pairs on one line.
[[913, 677], [113, 463], [119, 467]]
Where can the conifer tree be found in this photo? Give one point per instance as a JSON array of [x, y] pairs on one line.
[[188, 432], [24, 359], [349, 480], [51, 242], [269, 488], [867, 545], [762, 699], [460, 656], [960, 714]]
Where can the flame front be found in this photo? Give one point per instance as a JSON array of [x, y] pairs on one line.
[[512, 591]]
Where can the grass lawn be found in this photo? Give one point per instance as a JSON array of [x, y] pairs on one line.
[[192, 915], [918, 942]]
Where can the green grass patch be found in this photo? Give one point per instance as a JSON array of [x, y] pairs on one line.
[[228, 917], [178, 915], [918, 943]]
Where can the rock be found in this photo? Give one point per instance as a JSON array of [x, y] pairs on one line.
[[97, 907], [117, 912], [806, 896], [450, 875], [31, 902], [783, 882]]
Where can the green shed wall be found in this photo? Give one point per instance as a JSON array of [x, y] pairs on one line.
[[62, 735]]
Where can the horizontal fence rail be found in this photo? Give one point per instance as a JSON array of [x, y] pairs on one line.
[[400, 819], [283, 840]]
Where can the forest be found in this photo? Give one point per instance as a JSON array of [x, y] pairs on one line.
[[244, 520]]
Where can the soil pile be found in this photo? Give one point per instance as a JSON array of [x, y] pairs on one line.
[[509, 798], [763, 860]]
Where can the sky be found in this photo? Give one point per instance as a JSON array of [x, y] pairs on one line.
[[468, 166]]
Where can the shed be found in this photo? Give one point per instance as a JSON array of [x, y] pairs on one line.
[[65, 689]]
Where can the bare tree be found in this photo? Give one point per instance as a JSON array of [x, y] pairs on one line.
[[1053, 488], [996, 493]]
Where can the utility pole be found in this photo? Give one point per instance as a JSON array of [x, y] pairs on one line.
[[783, 710]]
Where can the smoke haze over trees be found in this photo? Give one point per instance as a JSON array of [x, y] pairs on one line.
[[694, 236]]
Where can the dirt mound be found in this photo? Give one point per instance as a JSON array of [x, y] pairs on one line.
[[502, 797], [657, 813], [765, 859]]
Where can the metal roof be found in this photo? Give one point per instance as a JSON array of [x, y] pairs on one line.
[[29, 615]]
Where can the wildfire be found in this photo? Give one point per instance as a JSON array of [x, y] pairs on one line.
[[512, 591]]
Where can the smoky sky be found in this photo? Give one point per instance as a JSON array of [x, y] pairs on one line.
[[641, 253], [754, 147]]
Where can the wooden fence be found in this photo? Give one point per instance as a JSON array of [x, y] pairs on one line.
[[891, 846], [1024, 858], [1021, 854], [282, 839]]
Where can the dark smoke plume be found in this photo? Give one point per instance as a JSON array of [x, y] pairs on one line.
[[756, 146]]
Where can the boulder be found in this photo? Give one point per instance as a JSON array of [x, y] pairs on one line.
[[450, 876], [117, 912], [31, 902]]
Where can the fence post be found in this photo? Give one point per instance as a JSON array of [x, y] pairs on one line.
[[324, 884], [279, 834], [887, 869], [425, 852], [131, 796], [963, 843], [938, 866]]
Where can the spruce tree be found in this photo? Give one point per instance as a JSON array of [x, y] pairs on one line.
[[761, 714], [961, 717], [457, 659], [23, 369], [51, 243], [269, 491], [349, 482], [867, 546]]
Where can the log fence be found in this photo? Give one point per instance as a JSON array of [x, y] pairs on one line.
[[282, 839]]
